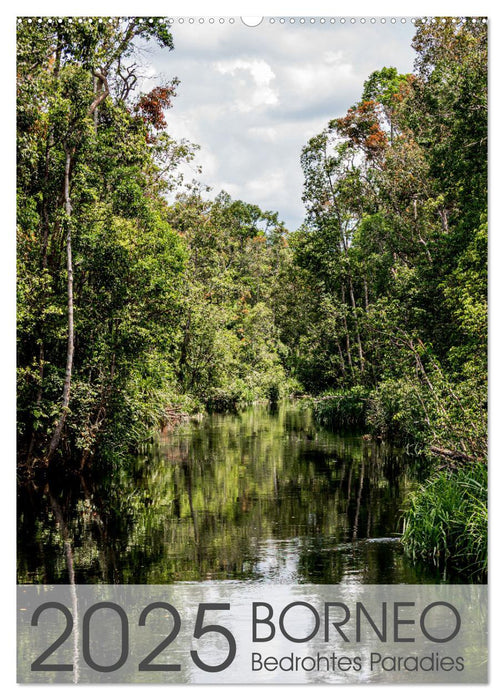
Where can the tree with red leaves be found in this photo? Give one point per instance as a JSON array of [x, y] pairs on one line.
[[151, 107], [362, 126]]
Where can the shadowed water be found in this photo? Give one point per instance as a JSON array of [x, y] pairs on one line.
[[264, 495]]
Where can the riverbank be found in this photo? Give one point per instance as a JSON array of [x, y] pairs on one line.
[[444, 521]]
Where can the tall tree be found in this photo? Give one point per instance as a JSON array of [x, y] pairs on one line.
[[75, 82]]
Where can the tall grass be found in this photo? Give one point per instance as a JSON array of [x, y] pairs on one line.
[[446, 521]]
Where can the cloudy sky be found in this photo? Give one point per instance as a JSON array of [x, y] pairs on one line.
[[251, 97]]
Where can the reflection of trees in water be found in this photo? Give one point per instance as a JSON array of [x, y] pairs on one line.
[[371, 485], [202, 501], [63, 527]]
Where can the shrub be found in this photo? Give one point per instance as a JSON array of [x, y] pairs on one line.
[[273, 392], [221, 400], [396, 413], [344, 409]]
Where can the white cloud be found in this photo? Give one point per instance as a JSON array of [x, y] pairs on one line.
[[316, 79], [249, 96], [268, 185], [332, 57], [263, 133], [252, 97]]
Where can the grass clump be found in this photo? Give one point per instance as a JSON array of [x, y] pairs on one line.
[[446, 521]]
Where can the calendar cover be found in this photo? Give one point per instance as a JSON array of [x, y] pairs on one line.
[[252, 335]]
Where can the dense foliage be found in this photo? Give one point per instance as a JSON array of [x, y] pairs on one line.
[[394, 249], [128, 309], [132, 311]]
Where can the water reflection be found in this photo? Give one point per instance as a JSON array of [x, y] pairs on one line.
[[263, 495]]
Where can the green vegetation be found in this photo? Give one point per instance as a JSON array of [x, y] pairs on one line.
[[394, 250], [133, 311], [128, 309], [447, 521], [344, 409]]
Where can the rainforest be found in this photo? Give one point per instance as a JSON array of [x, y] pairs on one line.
[[203, 393]]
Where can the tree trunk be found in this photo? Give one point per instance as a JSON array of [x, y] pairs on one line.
[[356, 319], [65, 400], [95, 92], [37, 402], [342, 359], [184, 349], [347, 336]]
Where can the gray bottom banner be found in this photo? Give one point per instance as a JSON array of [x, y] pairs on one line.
[[227, 632]]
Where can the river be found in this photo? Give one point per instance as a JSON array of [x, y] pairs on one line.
[[264, 495]]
